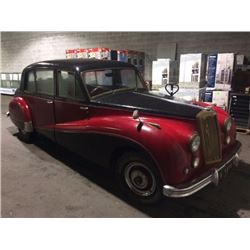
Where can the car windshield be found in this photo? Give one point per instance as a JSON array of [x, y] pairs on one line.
[[107, 81]]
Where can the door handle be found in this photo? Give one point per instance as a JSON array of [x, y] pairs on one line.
[[84, 108], [49, 102]]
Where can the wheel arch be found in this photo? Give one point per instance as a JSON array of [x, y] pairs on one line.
[[20, 114], [135, 148]]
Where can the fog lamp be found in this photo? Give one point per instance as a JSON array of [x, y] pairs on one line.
[[186, 171], [196, 162], [228, 139]]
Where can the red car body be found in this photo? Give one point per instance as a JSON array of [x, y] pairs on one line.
[[103, 128]]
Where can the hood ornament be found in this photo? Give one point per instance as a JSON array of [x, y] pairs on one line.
[[136, 116], [172, 88]]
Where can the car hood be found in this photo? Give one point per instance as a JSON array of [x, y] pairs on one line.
[[150, 103]]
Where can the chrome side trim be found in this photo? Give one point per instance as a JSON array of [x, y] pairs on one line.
[[211, 177], [28, 127]]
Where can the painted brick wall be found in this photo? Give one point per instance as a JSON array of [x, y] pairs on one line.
[[18, 49]]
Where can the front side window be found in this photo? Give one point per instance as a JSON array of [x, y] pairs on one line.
[[68, 86], [106, 80], [45, 82]]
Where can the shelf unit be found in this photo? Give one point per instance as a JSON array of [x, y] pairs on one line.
[[239, 109]]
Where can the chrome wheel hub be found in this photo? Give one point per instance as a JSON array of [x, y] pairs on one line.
[[140, 179]]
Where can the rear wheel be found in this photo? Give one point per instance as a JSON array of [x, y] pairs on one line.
[[139, 179], [24, 136]]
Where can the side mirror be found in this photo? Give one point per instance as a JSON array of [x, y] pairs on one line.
[[135, 114]]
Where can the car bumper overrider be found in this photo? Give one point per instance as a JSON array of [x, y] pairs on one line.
[[212, 176]]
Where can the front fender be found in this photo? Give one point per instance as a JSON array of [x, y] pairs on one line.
[[167, 145], [170, 147]]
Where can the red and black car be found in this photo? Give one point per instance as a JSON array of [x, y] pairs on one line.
[[103, 110]]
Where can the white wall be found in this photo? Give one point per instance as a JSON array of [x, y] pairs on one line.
[[22, 48]]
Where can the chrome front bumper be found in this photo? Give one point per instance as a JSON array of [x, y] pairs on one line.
[[213, 176]]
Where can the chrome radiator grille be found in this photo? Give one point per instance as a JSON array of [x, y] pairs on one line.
[[210, 136]]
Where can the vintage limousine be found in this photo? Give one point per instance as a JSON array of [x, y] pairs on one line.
[[103, 110]]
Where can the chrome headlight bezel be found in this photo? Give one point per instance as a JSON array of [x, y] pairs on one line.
[[195, 143], [228, 124]]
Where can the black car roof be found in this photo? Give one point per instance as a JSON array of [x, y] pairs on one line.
[[80, 64]]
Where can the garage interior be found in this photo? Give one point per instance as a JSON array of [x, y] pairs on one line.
[[44, 180]]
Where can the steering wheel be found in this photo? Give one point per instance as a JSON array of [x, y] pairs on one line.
[[96, 89]]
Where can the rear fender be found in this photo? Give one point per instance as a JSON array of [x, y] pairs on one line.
[[20, 114]]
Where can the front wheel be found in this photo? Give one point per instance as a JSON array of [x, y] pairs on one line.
[[139, 179]]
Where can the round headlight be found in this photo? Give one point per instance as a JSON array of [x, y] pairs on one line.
[[228, 124], [195, 143]]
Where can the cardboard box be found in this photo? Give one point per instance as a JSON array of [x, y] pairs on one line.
[[160, 71], [211, 70], [92, 53], [239, 60], [104, 53], [70, 53], [186, 94], [191, 94], [122, 55], [220, 98], [208, 97], [192, 70], [67, 52], [224, 71], [164, 71], [82, 53]]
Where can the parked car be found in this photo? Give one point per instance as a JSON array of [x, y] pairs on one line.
[[103, 110]]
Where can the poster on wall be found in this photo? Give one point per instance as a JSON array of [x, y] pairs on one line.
[[224, 71]]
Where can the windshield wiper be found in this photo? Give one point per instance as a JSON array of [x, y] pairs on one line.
[[113, 92]]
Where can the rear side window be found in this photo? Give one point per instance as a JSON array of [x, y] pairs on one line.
[[68, 86], [30, 82], [40, 81], [45, 82]]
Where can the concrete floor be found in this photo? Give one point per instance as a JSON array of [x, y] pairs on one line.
[[44, 180]]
